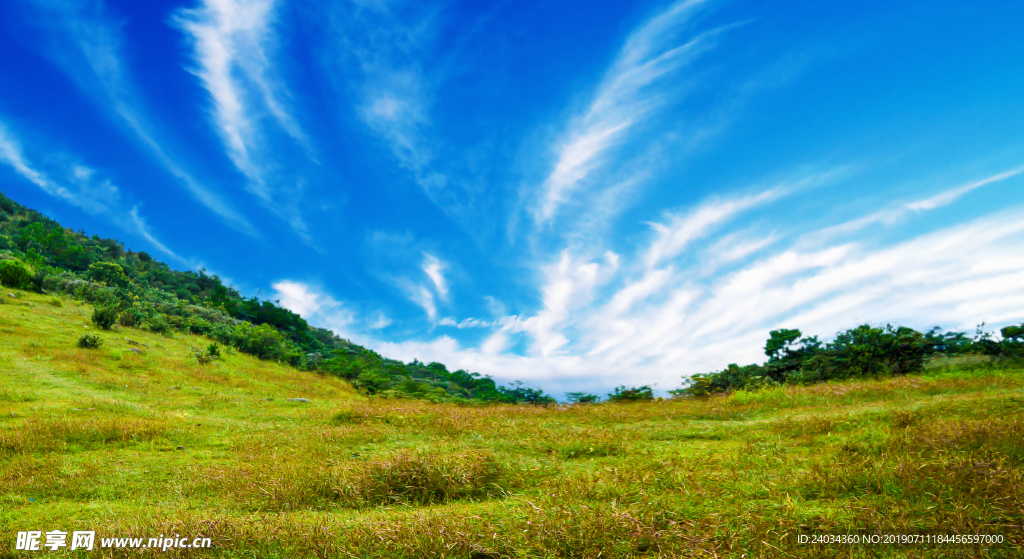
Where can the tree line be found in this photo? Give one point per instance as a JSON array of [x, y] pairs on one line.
[[863, 351]]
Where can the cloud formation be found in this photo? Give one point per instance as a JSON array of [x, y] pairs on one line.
[[88, 47], [617, 318], [632, 89], [80, 186], [233, 44], [315, 305], [434, 268]]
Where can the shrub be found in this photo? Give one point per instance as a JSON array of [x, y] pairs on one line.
[[109, 273], [130, 317], [263, 341], [104, 317], [524, 394], [15, 274], [639, 393], [38, 280], [203, 357], [196, 325], [370, 380], [55, 302], [213, 350], [582, 398], [90, 341], [158, 324]]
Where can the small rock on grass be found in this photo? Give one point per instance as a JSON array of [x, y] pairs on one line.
[[180, 448], [304, 400]]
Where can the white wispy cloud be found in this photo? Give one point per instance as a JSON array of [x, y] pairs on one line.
[[301, 299], [635, 85], [900, 212], [569, 286], [10, 151], [466, 323], [387, 55], [378, 321], [321, 309], [394, 106], [83, 188], [88, 47], [80, 186], [612, 319], [234, 43], [143, 229], [434, 268], [673, 237], [422, 296], [949, 196]]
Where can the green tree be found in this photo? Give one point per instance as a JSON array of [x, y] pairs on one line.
[[16, 274]]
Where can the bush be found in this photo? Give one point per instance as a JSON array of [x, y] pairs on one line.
[[263, 341], [582, 398], [639, 393], [158, 324], [104, 317], [196, 325], [56, 302], [108, 273], [521, 393], [371, 381], [90, 341], [38, 280], [130, 317], [203, 357], [15, 274]]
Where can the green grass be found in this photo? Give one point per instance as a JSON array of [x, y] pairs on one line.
[[150, 443]]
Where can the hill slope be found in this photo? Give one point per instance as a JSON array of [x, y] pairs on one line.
[[89, 440], [135, 290]]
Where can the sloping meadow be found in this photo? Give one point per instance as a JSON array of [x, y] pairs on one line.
[[152, 443]]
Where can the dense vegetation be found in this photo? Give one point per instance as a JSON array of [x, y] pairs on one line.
[[864, 351]]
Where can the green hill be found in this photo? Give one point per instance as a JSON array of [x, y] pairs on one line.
[[136, 291], [138, 439]]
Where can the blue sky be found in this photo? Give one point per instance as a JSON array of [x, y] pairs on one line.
[[575, 194]]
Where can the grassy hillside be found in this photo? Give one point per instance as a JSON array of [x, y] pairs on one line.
[[152, 442], [136, 290]]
